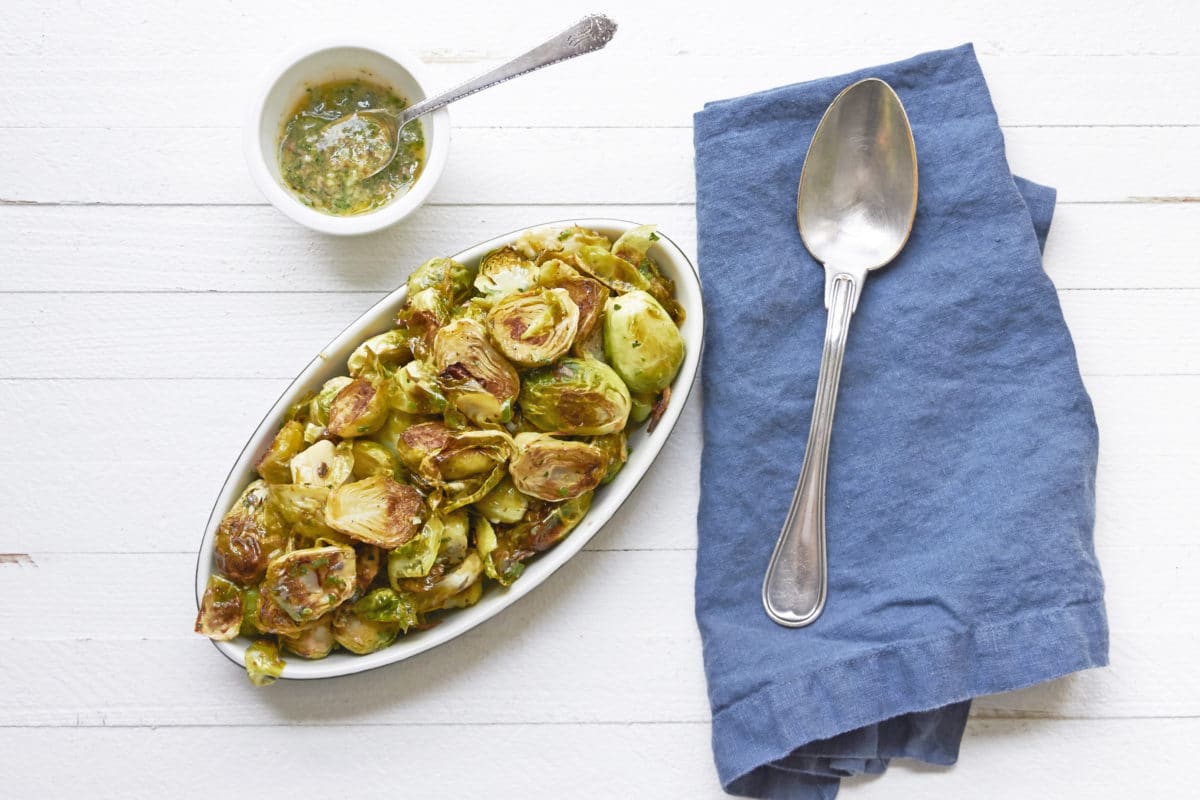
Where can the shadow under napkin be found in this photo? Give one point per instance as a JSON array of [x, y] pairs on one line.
[[960, 500]]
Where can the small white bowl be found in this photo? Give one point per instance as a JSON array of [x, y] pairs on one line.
[[282, 88]]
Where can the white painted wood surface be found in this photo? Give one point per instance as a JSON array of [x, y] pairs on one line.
[[151, 307]]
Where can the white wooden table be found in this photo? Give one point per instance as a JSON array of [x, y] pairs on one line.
[[151, 307]]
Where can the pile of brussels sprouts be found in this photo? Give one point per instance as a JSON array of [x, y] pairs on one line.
[[462, 442]]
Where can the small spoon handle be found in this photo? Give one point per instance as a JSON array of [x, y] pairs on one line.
[[795, 584], [589, 34]]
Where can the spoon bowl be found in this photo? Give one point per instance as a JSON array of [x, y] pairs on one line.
[[855, 208], [858, 189]]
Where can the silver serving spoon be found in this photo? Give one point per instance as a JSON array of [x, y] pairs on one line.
[[589, 34], [855, 209]]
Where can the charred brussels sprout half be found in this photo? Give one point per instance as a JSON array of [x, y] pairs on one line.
[[642, 342], [220, 616], [556, 469], [376, 510], [579, 396], [309, 583], [249, 536], [475, 377], [534, 328], [459, 445]]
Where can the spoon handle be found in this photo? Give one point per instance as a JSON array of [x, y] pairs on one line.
[[589, 34], [794, 588]]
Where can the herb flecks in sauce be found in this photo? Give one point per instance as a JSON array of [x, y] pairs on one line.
[[326, 162]]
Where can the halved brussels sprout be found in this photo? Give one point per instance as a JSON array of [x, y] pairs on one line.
[[431, 592], [415, 558], [318, 407], [302, 508], [451, 279], [642, 342], [360, 635], [535, 327], [589, 296], [505, 503], [249, 536], [263, 663], [309, 583], [553, 469], [575, 396], [534, 243], [269, 617], [469, 466], [473, 375], [376, 510], [273, 464], [613, 447], [419, 441], [505, 271], [443, 540], [633, 247], [372, 458], [614, 272], [315, 641], [385, 605], [359, 408], [420, 318], [486, 544], [389, 349], [415, 389], [220, 615], [323, 464]]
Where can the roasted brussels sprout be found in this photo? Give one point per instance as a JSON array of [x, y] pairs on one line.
[[376, 510], [642, 342], [420, 441], [432, 591], [263, 664], [554, 469], [389, 349], [420, 318], [415, 389], [360, 635], [372, 458], [249, 536], [535, 327], [361, 407], [318, 407], [467, 467], [273, 466], [445, 275], [505, 271], [323, 464], [538, 241], [473, 375], [385, 605], [309, 583], [633, 246], [269, 617], [614, 272], [575, 396], [302, 508], [442, 536], [505, 503], [315, 641], [220, 616], [613, 445]]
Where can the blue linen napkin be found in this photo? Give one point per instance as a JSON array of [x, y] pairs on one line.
[[961, 476]]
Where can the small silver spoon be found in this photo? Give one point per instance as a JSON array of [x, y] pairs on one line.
[[589, 34], [855, 209]]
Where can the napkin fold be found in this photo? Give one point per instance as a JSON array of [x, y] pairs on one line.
[[960, 498]]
